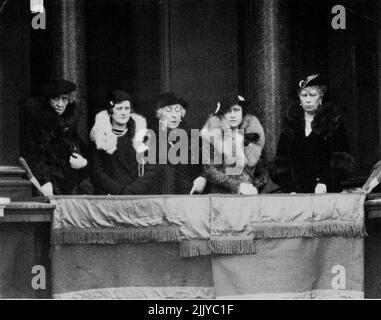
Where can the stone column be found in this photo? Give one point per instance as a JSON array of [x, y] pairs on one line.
[[66, 24], [268, 54], [14, 90], [378, 153]]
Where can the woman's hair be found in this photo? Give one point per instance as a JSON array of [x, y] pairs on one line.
[[115, 97], [159, 112]]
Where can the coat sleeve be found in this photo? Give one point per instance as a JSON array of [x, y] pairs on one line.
[[216, 175], [261, 176], [341, 162], [99, 177], [281, 169]]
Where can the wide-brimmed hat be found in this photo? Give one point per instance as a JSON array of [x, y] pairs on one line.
[[169, 99], [57, 87], [224, 105]]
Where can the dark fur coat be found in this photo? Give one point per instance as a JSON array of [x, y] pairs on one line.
[[323, 155], [49, 141]]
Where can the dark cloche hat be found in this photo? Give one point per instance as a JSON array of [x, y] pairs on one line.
[[57, 87], [169, 99], [117, 96], [313, 80], [224, 105]]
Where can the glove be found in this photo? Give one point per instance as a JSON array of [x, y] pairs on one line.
[[198, 185], [320, 188], [77, 161], [248, 189], [47, 188]]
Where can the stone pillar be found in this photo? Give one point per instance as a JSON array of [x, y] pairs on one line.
[[66, 24], [378, 153], [14, 90], [268, 63]]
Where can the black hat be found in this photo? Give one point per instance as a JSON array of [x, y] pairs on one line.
[[169, 99], [224, 105], [313, 80], [117, 96], [56, 87]]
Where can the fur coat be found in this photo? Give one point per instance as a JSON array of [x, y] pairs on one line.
[[114, 166], [48, 142], [228, 163], [322, 156]]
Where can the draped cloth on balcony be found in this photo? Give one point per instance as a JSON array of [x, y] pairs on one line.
[[207, 246]]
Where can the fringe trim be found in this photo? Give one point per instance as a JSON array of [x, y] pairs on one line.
[[194, 248], [233, 246], [115, 236], [313, 230]]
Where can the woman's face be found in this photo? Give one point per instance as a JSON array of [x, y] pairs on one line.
[[310, 99], [121, 113], [234, 116], [59, 103], [171, 116]]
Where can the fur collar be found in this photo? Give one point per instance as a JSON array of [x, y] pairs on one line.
[[221, 141], [325, 123], [106, 140]]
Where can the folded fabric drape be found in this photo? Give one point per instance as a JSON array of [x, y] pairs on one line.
[[218, 224]]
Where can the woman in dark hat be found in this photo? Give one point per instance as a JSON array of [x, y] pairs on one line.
[[183, 177], [313, 152], [236, 141], [118, 135], [53, 148]]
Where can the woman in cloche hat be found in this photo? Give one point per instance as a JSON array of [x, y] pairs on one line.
[[313, 152]]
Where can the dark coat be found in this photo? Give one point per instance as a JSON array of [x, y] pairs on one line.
[[117, 171], [50, 141], [177, 178], [323, 155]]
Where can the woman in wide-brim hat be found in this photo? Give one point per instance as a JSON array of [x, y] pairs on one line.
[[236, 138], [313, 151]]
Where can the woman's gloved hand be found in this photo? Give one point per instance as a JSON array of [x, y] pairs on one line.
[[77, 161], [198, 185], [247, 188]]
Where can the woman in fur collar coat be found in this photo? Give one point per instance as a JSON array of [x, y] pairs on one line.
[[118, 134], [313, 152], [236, 140]]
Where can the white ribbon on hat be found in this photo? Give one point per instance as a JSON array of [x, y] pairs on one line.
[[218, 108]]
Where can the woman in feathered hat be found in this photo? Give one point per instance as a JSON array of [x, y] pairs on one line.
[[54, 150], [178, 178], [118, 134], [313, 152], [236, 141]]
